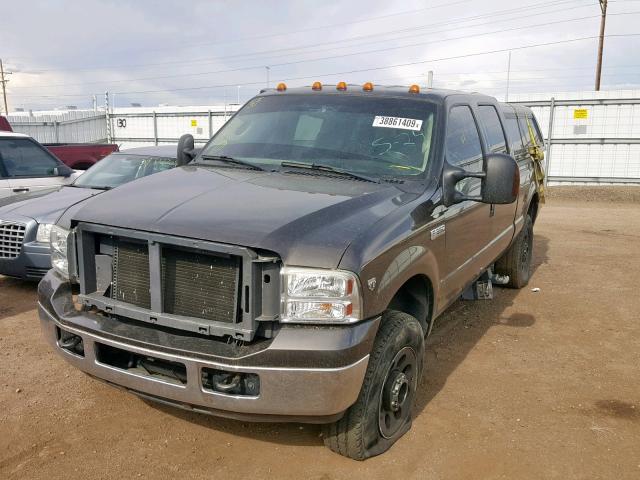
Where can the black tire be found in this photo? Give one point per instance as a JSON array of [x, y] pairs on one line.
[[516, 261], [371, 425]]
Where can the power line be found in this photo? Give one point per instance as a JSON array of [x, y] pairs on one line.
[[333, 57], [491, 15], [293, 32], [362, 70]]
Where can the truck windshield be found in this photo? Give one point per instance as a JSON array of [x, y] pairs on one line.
[[119, 168], [376, 136]]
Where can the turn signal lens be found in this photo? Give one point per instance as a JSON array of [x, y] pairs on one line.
[[341, 86], [316, 86], [281, 87], [414, 89], [367, 87]]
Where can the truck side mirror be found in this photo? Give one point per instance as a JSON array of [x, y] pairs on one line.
[[500, 181], [186, 146]]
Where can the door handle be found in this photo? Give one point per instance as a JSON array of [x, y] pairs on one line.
[[21, 189]]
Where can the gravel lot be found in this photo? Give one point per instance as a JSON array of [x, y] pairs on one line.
[[530, 385]]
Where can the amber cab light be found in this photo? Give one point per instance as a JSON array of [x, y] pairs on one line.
[[367, 87], [414, 89], [281, 87], [316, 86], [341, 86]]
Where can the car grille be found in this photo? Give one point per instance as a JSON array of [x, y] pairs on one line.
[[11, 238], [194, 284]]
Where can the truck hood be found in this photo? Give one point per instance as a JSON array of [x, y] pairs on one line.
[[306, 219], [45, 206]]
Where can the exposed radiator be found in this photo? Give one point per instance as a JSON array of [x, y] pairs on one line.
[[200, 285]]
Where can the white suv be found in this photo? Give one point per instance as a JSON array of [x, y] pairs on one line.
[[26, 166]]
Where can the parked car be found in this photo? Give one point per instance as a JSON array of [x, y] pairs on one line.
[[78, 156], [26, 166], [294, 269], [25, 224]]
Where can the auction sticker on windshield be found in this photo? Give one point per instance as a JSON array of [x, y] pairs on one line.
[[397, 122]]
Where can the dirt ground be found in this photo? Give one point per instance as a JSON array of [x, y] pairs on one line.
[[531, 385]]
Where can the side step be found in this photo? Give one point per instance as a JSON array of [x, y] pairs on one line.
[[482, 288]]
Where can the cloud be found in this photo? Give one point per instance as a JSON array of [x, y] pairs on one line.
[[197, 52]]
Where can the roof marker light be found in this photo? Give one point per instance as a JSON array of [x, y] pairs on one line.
[[414, 89], [316, 86], [367, 87], [342, 86], [281, 87]]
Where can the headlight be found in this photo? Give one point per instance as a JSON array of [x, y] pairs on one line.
[[59, 244], [44, 233], [319, 296]]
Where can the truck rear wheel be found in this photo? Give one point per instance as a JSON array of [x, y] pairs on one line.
[[516, 261], [382, 413]]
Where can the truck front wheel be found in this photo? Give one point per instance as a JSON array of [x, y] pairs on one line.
[[382, 413]]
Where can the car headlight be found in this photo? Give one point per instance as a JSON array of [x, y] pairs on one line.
[[44, 233], [59, 244], [319, 296]]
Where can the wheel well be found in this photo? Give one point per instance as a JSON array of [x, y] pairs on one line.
[[533, 208], [414, 297]]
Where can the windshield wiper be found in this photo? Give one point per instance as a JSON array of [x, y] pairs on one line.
[[236, 161], [329, 169]]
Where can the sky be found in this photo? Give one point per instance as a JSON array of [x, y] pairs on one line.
[[194, 52]]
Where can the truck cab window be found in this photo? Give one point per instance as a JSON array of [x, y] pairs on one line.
[[23, 158], [524, 130], [462, 145], [513, 131], [492, 128]]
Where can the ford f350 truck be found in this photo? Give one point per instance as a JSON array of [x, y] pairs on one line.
[[293, 269]]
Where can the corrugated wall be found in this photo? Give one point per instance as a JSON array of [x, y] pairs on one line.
[[72, 126]]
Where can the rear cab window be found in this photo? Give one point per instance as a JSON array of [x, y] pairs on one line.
[[513, 131], [492, 128]]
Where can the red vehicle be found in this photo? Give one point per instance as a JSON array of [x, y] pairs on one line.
[[78, 156]]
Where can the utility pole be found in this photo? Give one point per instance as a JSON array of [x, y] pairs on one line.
[[268, 69], [603, 19], [4, 81], [430, 79], [506, 97]]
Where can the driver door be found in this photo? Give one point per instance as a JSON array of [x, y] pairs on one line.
[[468, 224]]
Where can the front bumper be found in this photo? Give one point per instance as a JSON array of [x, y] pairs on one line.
[[307, 373]]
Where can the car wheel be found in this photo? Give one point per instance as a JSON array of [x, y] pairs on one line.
[[516, 261], [382, 412]]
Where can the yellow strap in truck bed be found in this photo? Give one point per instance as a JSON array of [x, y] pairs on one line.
[[537, 154]]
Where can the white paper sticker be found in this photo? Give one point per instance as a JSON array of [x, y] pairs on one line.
[[397, 122]]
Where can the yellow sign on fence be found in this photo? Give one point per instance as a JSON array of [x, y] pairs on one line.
[[194, 123], [580, 114]]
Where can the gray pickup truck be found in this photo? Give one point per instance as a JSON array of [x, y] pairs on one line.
[[293, 269]]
